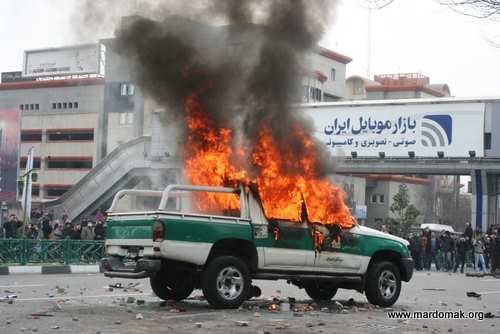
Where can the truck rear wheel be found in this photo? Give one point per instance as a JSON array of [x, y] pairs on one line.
[[383, 283], [226, 282], [172, 286], [319, 291]]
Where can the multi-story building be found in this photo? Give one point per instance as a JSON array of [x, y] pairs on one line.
[[60, 120], [393, 86]]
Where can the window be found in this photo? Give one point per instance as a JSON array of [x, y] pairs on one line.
[[70, 105], [59, 105], [35, 190], [54, 105], [127, 89], [55, 190], [333, 74], [32, 106], [37, 106], [31, 135], [65, 105], [381, 199], [374, 199], [487, 141], [26, 107], [21, 107], [126, 118], [37, 162], [70, 135], [69, 162], [75, 105]]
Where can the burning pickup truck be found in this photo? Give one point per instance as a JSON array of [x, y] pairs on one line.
[[160, 235]]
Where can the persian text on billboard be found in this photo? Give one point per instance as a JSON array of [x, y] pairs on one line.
[[80, 59], [9, 153], [452, 128]]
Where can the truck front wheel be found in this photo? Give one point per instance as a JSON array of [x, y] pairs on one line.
[[174, 285], [383, 283], [226, 282]]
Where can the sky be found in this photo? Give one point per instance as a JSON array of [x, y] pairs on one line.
[[408, 36]]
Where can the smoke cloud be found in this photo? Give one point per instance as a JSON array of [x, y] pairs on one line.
[[246, 59]]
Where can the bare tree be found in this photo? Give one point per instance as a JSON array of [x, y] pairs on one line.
[[377, 4], [477, 8]]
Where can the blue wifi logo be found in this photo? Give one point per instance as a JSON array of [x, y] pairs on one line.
[[436, 130]]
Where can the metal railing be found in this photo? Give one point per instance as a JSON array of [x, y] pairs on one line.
[[28, 251]]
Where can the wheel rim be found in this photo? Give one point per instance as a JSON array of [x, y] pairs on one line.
[[387, 284], [229, 283]]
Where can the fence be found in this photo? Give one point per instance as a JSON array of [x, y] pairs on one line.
[[27, 251]]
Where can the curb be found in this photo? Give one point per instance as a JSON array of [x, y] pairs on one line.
[[50, 269]]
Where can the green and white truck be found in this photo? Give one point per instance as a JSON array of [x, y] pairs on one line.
[[155, 235]]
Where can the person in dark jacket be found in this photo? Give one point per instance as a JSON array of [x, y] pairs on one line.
[[447, 248], [415, 251], [99, 231], [67, 230], [12, 226], [77, 232], [46, 228], [468, 231]]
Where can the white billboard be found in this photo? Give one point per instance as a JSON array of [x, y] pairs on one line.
[[71, 60], [396, 129]]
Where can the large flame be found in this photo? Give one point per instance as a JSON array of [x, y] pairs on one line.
[[287, 182]]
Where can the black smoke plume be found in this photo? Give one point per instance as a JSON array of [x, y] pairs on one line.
[[248, 72]]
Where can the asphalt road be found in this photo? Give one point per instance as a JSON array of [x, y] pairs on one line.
[[82, 304]]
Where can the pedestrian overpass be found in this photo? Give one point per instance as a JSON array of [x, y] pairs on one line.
[[445, 136]]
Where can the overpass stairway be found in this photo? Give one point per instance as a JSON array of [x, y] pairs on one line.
[[124, 167]]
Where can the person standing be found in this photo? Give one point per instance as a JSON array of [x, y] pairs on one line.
[[87, 231], [99, 231], [423, 250], [434, 249], [46, 227], [11, 227], [77, 232], [460, 261], [447, 247], [478, 253], [468, 231]]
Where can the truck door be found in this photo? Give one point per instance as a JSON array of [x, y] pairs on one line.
[[340, 253], [288, 245]]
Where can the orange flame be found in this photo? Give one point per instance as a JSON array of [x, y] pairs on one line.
[[288, 185]]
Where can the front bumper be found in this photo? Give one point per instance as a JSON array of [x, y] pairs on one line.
[[114, 267], [408, 266]]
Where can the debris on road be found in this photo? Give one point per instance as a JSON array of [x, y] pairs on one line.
[[242, 323], [434, 289], [130, 300], [42, 314], [198, 325], [55, 327], [75, 319], [473, 294], [8, 297], [139, 316]]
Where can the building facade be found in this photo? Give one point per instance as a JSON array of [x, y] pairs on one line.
[[60, 120]]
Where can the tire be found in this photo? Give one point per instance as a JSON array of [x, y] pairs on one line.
[[172, 286], [320, 292], [383, 283], [226, 282]]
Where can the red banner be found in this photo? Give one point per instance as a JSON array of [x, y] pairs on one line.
[[10, 123]]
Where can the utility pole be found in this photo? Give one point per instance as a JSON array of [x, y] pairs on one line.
[[27, 185]]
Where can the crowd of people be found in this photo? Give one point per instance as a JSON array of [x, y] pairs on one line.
[[44, 225], [451, 252]]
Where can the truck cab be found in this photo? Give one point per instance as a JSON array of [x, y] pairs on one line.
[[163, 236]]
